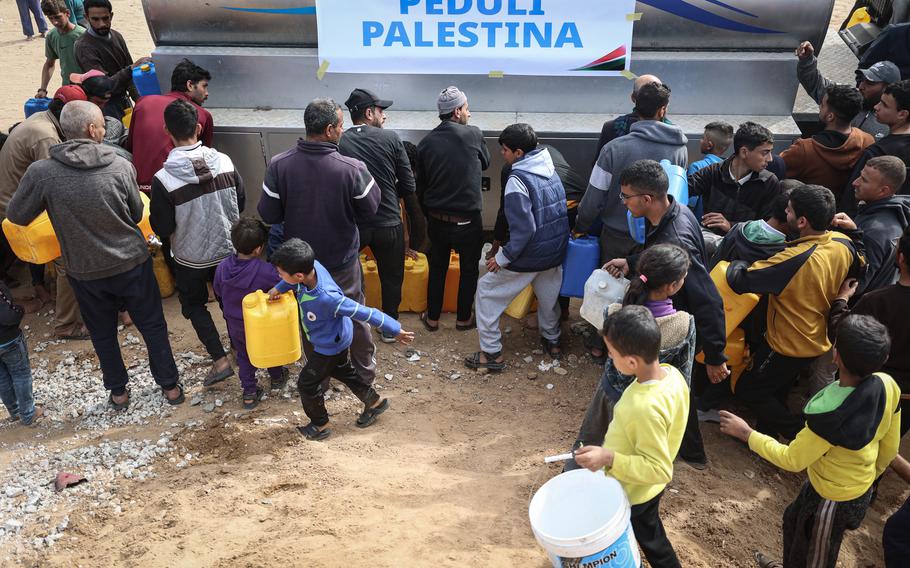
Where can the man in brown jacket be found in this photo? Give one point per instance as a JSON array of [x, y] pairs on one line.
[[827, 159]]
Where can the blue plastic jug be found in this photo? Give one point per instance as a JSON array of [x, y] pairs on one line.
[[582, 258], [35, 105], [679, 189], [145, 79]]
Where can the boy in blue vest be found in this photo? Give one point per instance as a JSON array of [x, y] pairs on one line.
[[535, 207], [326, 313]]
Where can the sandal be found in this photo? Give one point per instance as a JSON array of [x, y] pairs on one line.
[[552, 348], [313, 433], [278, 384], [369, 415], [217, 376], [466, 327], [174, 401], [78, 334], [474, 362], [599, 360], [251, 401], [426, 324], [119, 405]]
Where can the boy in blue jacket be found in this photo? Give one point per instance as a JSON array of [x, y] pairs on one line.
[[326, 313]]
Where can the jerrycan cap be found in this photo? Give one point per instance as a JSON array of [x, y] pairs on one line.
[[145, 67], [251, 300], [602, 284]]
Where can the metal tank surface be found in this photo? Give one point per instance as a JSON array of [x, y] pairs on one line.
[[665, 25], [724, 59]]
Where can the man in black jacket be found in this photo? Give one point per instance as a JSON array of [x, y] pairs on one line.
[[452, 158], [738, 189], [644, 186], [384, 155]]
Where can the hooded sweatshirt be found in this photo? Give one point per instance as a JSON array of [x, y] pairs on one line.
[[29, 142], [92, 199], [535, 206], [824, 159], [750, 242], [234, 279], [647, 139], [326, 314], [850, 438], [882, 223], [745, 199], [196, 198]]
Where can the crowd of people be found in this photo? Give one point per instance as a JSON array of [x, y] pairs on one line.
[[819, 232]]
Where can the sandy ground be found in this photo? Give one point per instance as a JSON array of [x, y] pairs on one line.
[[443, 479]]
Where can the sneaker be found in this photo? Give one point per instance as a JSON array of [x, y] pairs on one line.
[[388, 338], [709, 416]]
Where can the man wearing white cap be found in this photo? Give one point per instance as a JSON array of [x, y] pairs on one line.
[[451, 159], [871, 82]]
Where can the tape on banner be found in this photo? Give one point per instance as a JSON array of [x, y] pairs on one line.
[[496, 74], [322, 69], [633, 17], [628, 74]]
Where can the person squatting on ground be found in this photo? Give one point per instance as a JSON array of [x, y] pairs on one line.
[[850, 436], [196, 197], [92, 199], [326, 314], [647, 427], [237, 276], [535, 206]]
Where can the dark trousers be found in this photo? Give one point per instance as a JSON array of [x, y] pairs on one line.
[[37, 273], [312, 380], [137, 290], [193, 291], [467, 241], [896, 538], [651, 536], [350, 279], [765, 387], [814, 527], [246, 370], [387, 244]]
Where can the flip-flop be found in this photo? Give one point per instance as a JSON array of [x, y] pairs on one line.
[[119, 405], [254, 399], [313, 433], [426, 324], [176, 401], [216, 377], [369, 415], [474, 362]]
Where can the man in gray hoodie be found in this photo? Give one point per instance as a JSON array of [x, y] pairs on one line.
[[92, 199], [649, 138]]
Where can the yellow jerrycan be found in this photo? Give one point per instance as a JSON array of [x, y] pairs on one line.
[[738, 356], [163, 275], [522, 304], [144, 224], [372, 289], [35, 243], [450, 298], [414, 288], [272, 329], [736, 306]]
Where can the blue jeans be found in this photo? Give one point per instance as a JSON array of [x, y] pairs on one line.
[[35, 7], [16, 381]]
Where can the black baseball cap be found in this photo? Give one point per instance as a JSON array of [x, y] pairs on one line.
[[362, 99]]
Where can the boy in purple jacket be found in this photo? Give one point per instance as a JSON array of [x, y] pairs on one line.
[[237, 276]]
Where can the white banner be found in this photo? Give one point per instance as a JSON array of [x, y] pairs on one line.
[[476, 37]]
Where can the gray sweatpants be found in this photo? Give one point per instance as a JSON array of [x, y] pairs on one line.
[[496, 290]]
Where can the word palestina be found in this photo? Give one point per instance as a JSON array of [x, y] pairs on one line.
[[487, 33]]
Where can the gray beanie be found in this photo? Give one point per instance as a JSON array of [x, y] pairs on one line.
[[450, 99]]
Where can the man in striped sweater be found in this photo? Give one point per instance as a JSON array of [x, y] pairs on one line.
[[196, 197]]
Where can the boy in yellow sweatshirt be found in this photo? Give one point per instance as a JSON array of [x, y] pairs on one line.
[[647, 427], [851, 435]]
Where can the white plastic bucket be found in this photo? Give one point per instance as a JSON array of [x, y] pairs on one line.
[[581, 518]]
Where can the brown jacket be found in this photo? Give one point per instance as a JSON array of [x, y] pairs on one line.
[[29, 142], [812, 162]]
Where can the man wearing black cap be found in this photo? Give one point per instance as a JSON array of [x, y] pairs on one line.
[[871, 82], [384, 155]]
